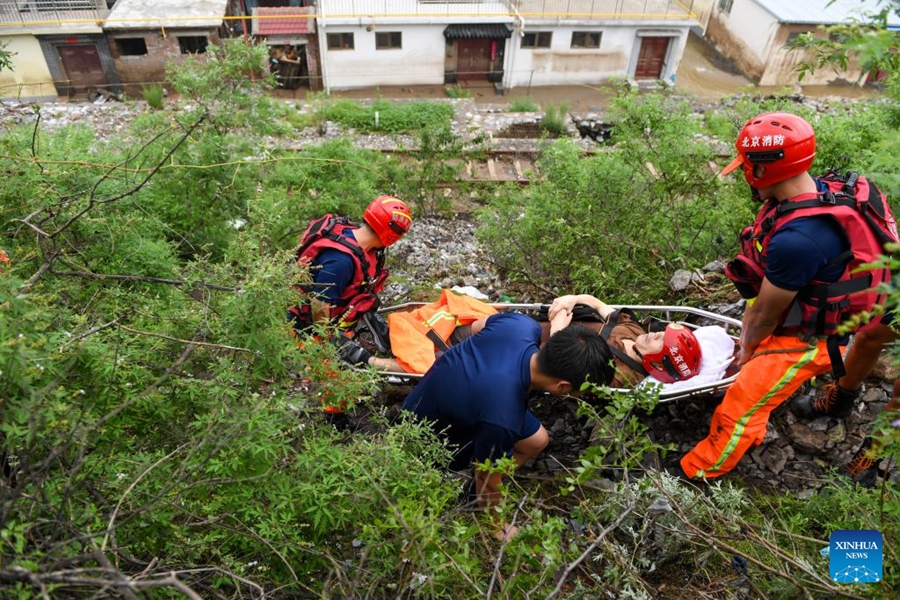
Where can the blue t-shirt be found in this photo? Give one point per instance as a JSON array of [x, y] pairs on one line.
[[801, 249], [477, 392], [332, 272]]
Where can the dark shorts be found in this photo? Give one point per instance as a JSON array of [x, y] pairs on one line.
[[463, 453]]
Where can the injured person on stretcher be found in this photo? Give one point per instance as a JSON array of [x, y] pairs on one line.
[[656, 352]]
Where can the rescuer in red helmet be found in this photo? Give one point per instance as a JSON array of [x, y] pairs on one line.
[[798, 271], [344, 261]]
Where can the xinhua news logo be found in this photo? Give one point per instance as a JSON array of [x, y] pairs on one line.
[[856, 556]]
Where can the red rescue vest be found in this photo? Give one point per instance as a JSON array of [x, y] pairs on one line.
[[369, 274], [862, 211]]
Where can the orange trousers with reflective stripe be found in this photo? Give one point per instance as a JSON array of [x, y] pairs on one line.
[[779, 367]]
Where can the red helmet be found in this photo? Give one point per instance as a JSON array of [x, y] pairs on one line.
[[783, 144], [679, 358], [389, 218]]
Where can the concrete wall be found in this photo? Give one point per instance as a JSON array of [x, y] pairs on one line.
[[30, 78], [754, 41], [561, 64], [744, 36], [419, 61], [162, 48]]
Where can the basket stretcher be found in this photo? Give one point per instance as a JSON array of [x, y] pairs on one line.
[[688, 316]]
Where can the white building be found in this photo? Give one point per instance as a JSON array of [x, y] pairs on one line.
[[512, 43], [754, 33]]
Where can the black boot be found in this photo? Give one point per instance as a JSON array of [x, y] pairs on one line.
[[834, 401]]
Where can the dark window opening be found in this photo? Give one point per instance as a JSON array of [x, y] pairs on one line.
[[131, 46], [340, 41], [725, 6], [390, 40], [585, 39], [540, 39], [193, 44]]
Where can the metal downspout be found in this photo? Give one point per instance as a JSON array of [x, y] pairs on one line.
[[323, 46]]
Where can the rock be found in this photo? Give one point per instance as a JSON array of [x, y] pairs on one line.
[[806, 439], [774, 459], [771, 434], [716, 266], [680, 280], [884, 369], [819, 423], [837, 434], [559, 428]]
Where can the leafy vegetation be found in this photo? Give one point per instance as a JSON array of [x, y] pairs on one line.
[[457, 91], [388, 117], [161, 433], [555, 119], [523, 105], [153, 95]]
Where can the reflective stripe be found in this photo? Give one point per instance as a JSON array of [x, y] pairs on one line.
[[440, 316], [741, 423]]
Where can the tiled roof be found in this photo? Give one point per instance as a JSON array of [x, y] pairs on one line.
[[282, 21], [486, 30]]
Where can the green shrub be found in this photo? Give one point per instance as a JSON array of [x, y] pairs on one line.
[[555, 119], [387, 116], [153, 95], [523, 105], [457, 91], [623, 220]]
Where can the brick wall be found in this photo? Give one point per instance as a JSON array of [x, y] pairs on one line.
[[136, 71]]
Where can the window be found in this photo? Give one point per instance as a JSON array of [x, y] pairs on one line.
[[725, 6], [193, 44], [389, 40], [131, 46], [585, 39], [539, 39], [794, 35], [340, 41]]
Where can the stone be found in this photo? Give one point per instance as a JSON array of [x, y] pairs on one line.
[[559, 428], [716, 266], [680, 280], [756, 456], [806, 439], [885, 369], [774, 459], [771, 434], [837, 434], [819, 424]]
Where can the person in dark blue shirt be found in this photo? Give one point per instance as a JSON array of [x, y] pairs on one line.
[[476, 393]]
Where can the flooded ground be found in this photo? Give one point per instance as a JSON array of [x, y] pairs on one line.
[[702, 73]]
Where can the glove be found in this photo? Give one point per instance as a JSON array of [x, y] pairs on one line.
[[378, 327], [351, 352]]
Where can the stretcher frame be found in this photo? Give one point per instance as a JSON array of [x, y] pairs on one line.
[[688, 316]]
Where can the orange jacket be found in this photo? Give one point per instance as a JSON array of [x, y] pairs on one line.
[[412, 333]]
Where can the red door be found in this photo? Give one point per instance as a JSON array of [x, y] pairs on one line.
[[82, 65], [474, 59], [651, 57]]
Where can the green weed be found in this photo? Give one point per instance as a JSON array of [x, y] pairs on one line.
[[153, 95]]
